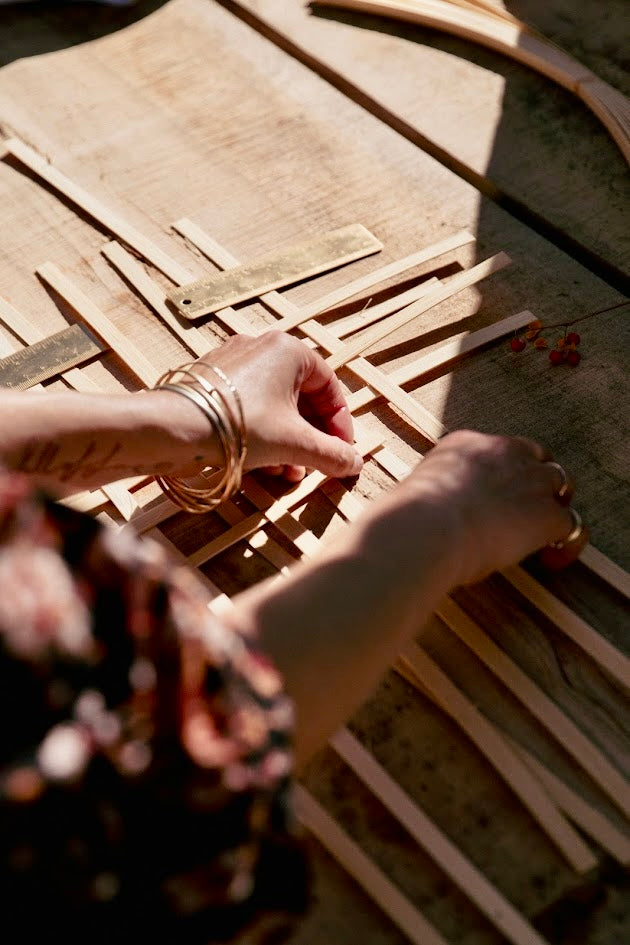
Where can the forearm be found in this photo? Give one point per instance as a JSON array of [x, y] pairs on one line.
[[335, 625], [68, 441]]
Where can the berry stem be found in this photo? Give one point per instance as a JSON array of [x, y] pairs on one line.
[[600, 311]]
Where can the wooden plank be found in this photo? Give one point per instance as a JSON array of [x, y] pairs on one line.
[[500, 125], [281, 125]]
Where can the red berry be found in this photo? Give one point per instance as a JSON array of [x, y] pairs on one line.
[[517, 344], [573, 358], [557, 357], [573, 338]]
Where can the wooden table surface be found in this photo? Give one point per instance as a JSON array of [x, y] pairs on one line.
[[265, 122]]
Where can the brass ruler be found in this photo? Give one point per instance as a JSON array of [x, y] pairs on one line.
[[48, 357], [274, 270]]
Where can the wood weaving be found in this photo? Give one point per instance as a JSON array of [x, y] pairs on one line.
[[275, 529]]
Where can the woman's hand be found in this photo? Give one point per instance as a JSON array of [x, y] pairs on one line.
[[503, 497], [295, 411]]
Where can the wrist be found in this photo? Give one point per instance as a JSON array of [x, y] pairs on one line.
[[184, 436]]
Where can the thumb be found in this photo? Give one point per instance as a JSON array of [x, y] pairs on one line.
[[325, 452]]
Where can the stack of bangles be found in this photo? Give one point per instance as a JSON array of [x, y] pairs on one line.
[[222, 406]]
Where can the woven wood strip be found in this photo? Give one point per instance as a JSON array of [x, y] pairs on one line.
[[461, 871], [399, 909], [571, 738], [414, 662]]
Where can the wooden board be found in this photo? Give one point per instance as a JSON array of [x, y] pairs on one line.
[[251, 146], [514, 134]]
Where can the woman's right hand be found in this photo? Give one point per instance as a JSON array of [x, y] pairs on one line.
[[499, 496]]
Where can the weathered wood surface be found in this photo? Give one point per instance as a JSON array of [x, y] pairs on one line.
[[260, 152], [517, 135]]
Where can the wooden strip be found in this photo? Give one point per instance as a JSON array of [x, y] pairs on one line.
[[606, 569], [373, 313], [445, 355], [275, 269], [418, 668], [429, 425], [213, 251], [104, 328], [457, 867], [399, 909], [283, 307], [584, 815], [97, 210], [535, 700], [459, 282], [275, 512], [612, 660], [146, 287]]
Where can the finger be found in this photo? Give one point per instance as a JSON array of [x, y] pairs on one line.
[[277, 470], [294, 473], [318, 450], [539, 450], [562, 483], [322, 399], [567, 549]]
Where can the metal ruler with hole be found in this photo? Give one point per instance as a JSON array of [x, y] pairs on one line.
[[274, 270], [48, 357]]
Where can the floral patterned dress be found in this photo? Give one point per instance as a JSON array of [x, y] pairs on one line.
[[145, 755]]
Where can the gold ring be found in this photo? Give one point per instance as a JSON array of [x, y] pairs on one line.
[[575, 532], [562, 491]]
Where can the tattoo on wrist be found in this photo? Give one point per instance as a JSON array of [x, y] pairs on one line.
[[42, 459]]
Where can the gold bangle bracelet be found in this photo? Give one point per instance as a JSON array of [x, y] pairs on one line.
[[227, 422]]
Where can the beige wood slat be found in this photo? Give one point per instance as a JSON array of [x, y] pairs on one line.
[[584, 815], [155, 297], [350, 855], [457, 867], [606, 569], [97, 210], [535, 700], [418, 668], [375, 333], [590, 820], [612, 660], [131, 356]]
